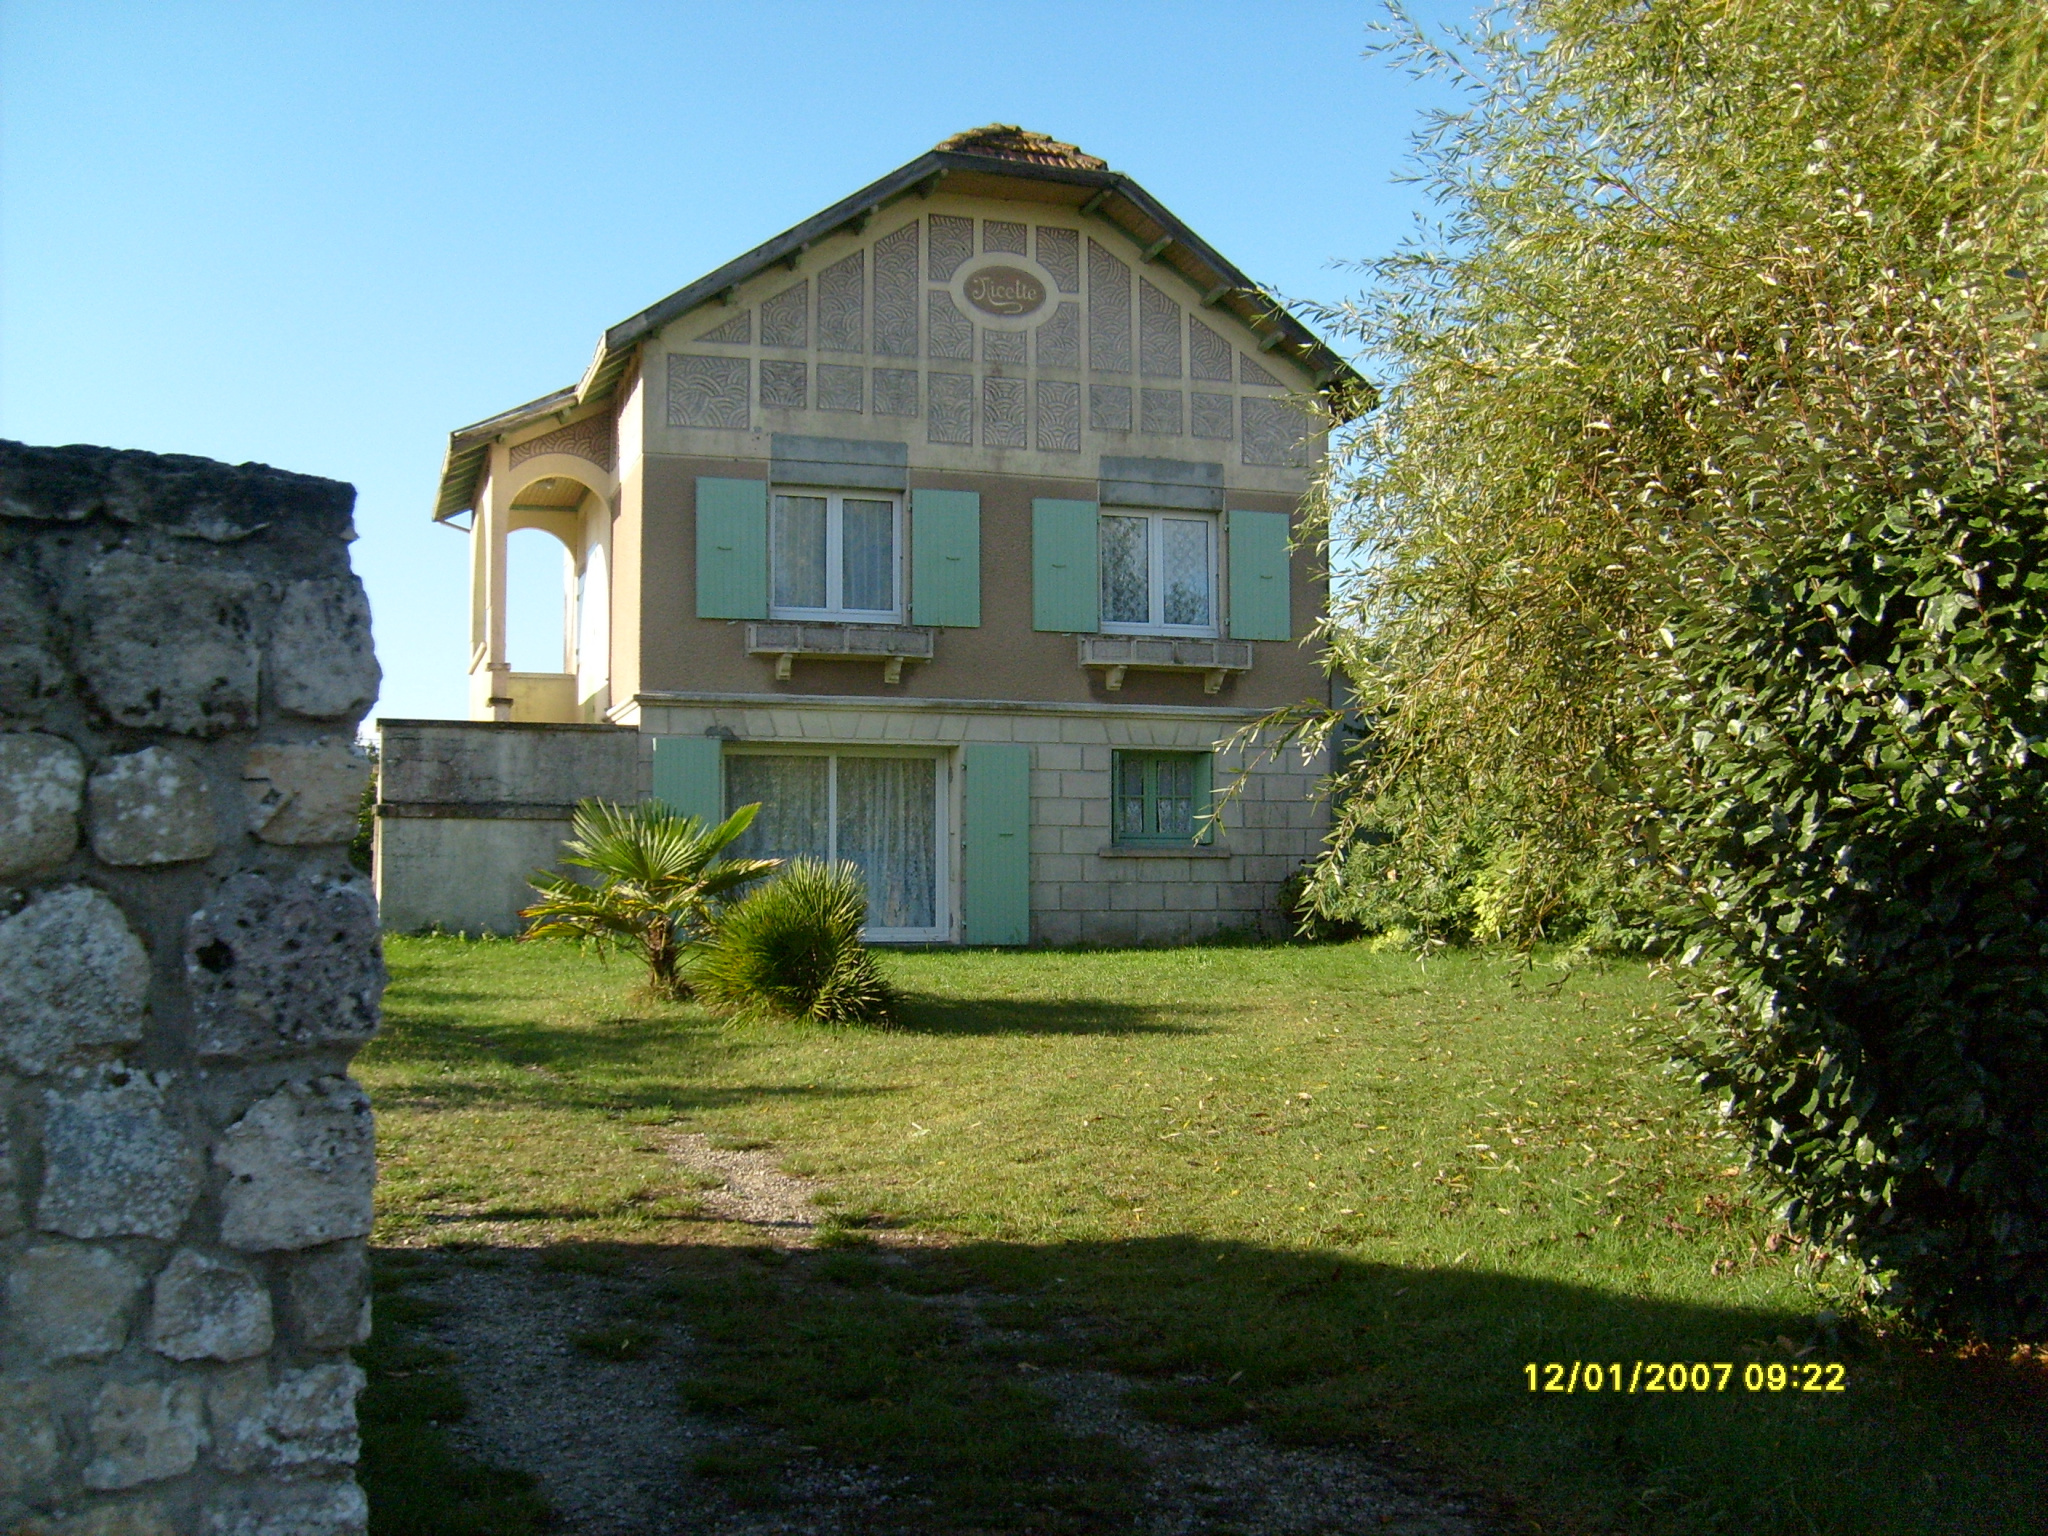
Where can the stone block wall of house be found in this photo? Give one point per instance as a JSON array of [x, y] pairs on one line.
[[187, 963]]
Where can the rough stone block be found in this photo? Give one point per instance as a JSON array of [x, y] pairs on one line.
[[150, 807], [40, 780], [209, 1307], [301, 1165], [142, 1432], [321, 662], [10, 1181], [113, 1164], [303, 794], [289, 1509], [278, 966], [304, 1419], [132, 1517], [72, 1302], [169, 646], [31, 676], [28, 1434], [327, 1296]]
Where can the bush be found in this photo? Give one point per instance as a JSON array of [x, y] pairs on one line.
[[1856, 809], [793, 947]]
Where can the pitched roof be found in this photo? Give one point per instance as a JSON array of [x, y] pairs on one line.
[[980, 161]]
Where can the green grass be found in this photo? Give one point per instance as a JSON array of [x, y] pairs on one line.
[[1339, 1194]]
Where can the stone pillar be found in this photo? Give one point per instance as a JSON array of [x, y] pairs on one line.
[[187, 962]]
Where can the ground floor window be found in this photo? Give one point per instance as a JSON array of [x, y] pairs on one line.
[[883, 814], [1159, 797]]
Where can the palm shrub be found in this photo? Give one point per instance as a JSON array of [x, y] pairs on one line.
[[659, 878], [793, 947]]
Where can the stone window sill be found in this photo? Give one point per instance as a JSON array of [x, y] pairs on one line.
[[1159, 851], [890, 644]]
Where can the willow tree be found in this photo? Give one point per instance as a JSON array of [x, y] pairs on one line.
[[1704, 538], [1709, 273]]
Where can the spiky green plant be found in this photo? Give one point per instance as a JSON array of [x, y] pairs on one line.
[[659, 875], [793, 947]]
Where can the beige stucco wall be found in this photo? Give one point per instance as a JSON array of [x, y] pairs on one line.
[[1003, 658]]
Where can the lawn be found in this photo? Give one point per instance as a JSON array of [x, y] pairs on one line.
[[1343, 1194]]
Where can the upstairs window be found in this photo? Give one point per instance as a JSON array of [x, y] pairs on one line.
[[1158, 573], [836, 555]]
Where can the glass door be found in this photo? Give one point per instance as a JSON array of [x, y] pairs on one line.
[[879, 813]]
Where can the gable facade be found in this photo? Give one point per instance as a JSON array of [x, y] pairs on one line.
[[958, 534]]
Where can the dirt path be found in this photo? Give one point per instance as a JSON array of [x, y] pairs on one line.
[[615, 1453]]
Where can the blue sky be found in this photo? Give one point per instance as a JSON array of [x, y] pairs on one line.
[[322, 235]]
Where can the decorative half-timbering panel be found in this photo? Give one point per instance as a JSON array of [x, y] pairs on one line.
[[707, 391], [1109, 407], [1004, 235], [950, 333], [1109, 311], [1208, 354], [949, 242], [592, 438], [1159, 411], [896, 307], [950, 414], [895, 391], [1209, 416], [786, 318], [736, 332], [1059, 338], [785, 384], [1059, 252], [841, 388], [1260, 601], [1059, 416], [1064, 565], [1003, 413], [842, 305], [945, 558], [1158, 333], [732, 548], [1249, 372], [1276, 433]]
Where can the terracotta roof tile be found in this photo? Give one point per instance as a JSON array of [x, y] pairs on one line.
[[1006, 141]]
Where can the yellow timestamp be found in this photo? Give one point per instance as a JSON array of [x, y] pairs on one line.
[[1574, 1376]]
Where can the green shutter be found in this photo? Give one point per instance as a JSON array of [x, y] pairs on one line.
[[688, 776], [996, 856], [732, 549], [1259, 608], [1064, 548], [945, 558]]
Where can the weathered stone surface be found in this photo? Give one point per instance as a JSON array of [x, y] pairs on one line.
[[72, 1302], [321, 664], [301, 1420], [193, 497], [28, 1434], [277, 966], [290, 1509], [150, 807], [170, 646], [113, 1163], [131, 1517], [40, 779], [327, 1295], [302, 1165], [10, 1181], [143, 1431], [303, 794], [31, 675], [73, 978], [209, 1307]]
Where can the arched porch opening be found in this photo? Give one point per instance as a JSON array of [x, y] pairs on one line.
[[543, 604]]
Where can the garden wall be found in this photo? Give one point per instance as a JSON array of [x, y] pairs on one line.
[[187, 963]]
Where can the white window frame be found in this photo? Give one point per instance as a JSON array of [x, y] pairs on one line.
[[835, 556], [941, 930], [1155, 587]]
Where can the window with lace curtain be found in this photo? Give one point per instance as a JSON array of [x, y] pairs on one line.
[[1158, 573], [882, 813], [836, 555]]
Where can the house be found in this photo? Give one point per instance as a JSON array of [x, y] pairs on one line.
[[954, 526]]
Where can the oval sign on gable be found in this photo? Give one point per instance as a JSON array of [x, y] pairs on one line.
[[1005, 291]]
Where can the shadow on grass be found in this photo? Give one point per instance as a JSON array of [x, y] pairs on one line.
[[931, 1014], [938, 1366]]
